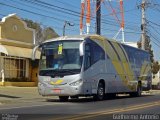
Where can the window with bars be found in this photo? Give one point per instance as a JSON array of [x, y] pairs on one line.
[[15, 67]]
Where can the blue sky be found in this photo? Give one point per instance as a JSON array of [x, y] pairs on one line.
[[54, 12]]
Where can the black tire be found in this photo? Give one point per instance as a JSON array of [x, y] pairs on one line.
[[158, 86], [100, 92], [63, 98], [74, 97], [138, 93]]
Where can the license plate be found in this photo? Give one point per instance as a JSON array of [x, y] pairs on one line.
[[57, 90]]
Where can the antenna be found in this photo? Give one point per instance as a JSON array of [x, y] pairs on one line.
[[87, 4], [88, 15], [122, 19], [82, 16], [88, 20]]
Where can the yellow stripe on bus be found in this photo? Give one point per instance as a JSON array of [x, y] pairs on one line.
[[122, 67]]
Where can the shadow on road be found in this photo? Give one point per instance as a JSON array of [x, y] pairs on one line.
[[8, 96], [90, 99]]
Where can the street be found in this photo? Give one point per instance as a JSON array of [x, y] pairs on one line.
[[84, 108]]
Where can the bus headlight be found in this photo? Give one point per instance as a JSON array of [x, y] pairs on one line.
[[76, 83]]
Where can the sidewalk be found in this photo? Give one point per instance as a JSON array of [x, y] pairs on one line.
[[18, 94], [152, 92]]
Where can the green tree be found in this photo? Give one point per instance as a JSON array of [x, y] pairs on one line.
[[148, 47], [49, 33], [41, 33], [155, 67]]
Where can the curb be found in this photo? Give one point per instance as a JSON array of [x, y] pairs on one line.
[[151, 92]]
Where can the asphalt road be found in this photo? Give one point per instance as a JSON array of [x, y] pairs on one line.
[[121, 107]]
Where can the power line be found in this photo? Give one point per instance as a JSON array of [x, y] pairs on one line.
[[54, 18], [28, 11], [52, 12], [53, 7], [154, 39], [44, 25], [65, 3], [76, 13], [57, 19], [154, 29], [153, 23]]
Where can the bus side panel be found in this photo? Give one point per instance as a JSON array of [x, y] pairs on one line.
[[92, 75], [121, 77], [123, 69]]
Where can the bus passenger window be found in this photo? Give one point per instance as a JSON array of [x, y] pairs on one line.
[[87, 57], [98, 53]]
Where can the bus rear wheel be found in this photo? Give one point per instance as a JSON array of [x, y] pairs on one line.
[[158, 86], [63, 98], [138, 93], [74, 97], [100, 92]]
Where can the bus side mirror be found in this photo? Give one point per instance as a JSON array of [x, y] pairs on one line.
[[34, 52], [81, 49]]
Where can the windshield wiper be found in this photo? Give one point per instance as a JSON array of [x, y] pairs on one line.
[[58, 72], [48, 72], [69, 71]]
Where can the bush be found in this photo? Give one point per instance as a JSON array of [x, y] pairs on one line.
[[22, 79]]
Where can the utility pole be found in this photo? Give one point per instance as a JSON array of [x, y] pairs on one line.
[[98, 17], [143, 25]]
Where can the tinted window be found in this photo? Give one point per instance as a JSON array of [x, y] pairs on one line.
[[136, 56], [87, 56], [93, 53], [98, 53], [60, 55]]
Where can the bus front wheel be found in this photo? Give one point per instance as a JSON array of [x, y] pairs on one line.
[[100, 92], [63, 98]]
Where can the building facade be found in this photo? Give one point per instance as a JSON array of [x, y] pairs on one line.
[[16, 44], [156, 80]]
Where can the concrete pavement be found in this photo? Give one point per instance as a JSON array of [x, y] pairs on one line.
[[10, 94]]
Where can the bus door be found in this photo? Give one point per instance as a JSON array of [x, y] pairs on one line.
[[94, 65]]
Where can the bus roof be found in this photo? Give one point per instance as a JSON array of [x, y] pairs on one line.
[[74, 37], [82, 37]]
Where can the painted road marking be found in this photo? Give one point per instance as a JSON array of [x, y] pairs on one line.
[[106, 112]]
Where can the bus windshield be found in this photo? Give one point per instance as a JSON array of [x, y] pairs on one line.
[[60, 57]]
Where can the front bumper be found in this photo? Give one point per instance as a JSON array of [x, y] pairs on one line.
[[59, 90]]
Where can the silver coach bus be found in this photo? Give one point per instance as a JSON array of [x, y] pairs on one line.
[[91, 65]]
